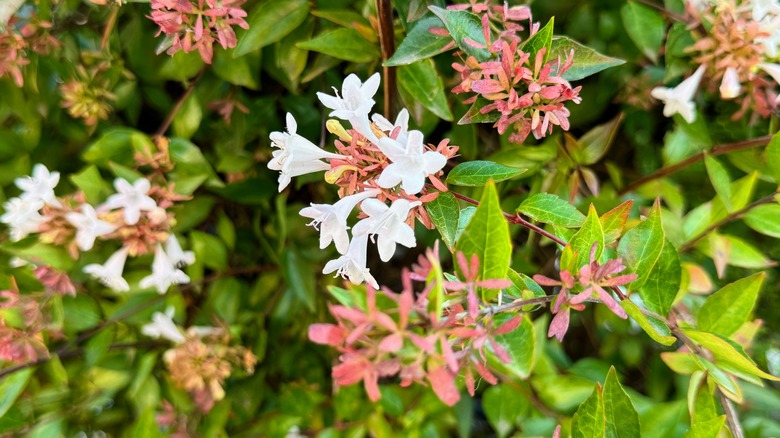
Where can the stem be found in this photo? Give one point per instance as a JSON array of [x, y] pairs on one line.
[[387, 42], [663, 10], [109, 27], [731, 414], [177, 106], [7, 10], [715, 151], [730, 218]]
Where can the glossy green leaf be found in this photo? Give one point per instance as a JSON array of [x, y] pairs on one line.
[[209, 250], [645, 27], [589, 420], [419, 43], [91, 183], [523, 287], [192, 168], [542, 39], [269, 22], [589, 234], [464, 25], [342, 43], [503, 405], [596, 142], [772, 156], [445, 212], [622, 418], [550, 209], [663, 282], [97, 347], [519, 345], [188, 118], [10, 388], [765, 219], [740, 253], [641, 247], [654, 328], [727, 309], [613, 221], [705, 422], [681, 363], [243, 71], [586, 60], [421, 81], [726, 354], [487, 236], [720, 179], [478, 173]]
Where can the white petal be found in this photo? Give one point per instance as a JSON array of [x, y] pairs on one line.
[[292, 125], [391, 176], [434, 162], [370, 87]]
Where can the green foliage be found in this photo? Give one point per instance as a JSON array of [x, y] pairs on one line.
[[478, 173]]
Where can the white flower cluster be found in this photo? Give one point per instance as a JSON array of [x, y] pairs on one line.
[[162, 326], [23, 217], [409, 167]]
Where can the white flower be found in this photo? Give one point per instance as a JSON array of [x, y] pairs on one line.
[[88, 226], [296, 155], [40, 186], [162, 325], [132, 198], [679, 100], [22, 217], [164, 273], [352, 265], [772, 69], [331, 220], [730, 86], [410, 164], [178, 257], [200, 331], [388, 224], [110, 273], [762, 8], [401, 124], [356, 100], [772, 42]]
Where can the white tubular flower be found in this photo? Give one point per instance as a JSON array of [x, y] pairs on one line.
[[352, 265], [679, 100], [762, 8], [178, 256], [401, 123], [771, 69], [730, 86], [388, 224], [164, 273], [110, 273], [356, 100], [132, 198], [410, 165], [201, 331], [331, 220], [22, 217], [40, 186], [88, 226], [296, 155], [162, 326]]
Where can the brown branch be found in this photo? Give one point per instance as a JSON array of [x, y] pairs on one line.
[[731, 414], [177, 106], [731, 217], [674, 16], [387, 42], [109, 27], [714, 151]]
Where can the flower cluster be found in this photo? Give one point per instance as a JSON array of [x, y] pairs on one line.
[[195, 24], [525, 91], [504, 16], [737, 55], [589, 283], [87, 96], [17, 38], [22, 326], [405, 335], [377, 161]]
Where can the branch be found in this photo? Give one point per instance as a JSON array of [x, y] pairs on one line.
[[7, 10], [731, 414], [663, 10], [177, 106], [387, 42], [715, 151]]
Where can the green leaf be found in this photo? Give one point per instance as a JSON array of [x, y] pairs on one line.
[[641, 247], [209, 250], [115, 145], [523, 287], [589, 420], [243, 71], [474, 115], [663, 282], [550, 209], [342, 17], [654, 328], [466, 213], [542, 39], [487, 236], [583, 240], [269, 22], [519, 345], [727, 309], [342, 43], [740, 253], [81, 312], [764, 219], [91, 183], [10, 388], [188, 118], [725, 354], [586, 60], [720, 179], [503, 406], [98, 345], [705, 422], [192, 168], [596, 142], [419, 44], [645, 27], [681, 363], [622, 418], [421, 81], [464, 25], [444, 212], [613, 221], [478, 173], [772, 155]]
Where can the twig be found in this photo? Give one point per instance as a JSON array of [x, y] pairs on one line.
[[663, 10], [177, 106], [714, 151], [731, 217], [387, 42], [731, 414], [7, 10], [109, 27]]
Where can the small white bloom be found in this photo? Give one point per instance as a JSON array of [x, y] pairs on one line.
[[679, 100], [162, 326], [178, 257], [331, 220], [17, 262], [356, 100], [388, 224], [764, 9], [730, 86], [132, 198], [164, 273], [771, 69], [88, 226], [410, 164], [22, 217], [296, 155], [200, 331], [772, 42], [401, 124], [110, 273], [40, 186], [352, 265]]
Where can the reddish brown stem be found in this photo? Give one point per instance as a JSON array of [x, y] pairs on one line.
[[387, 42], [177, 106]]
